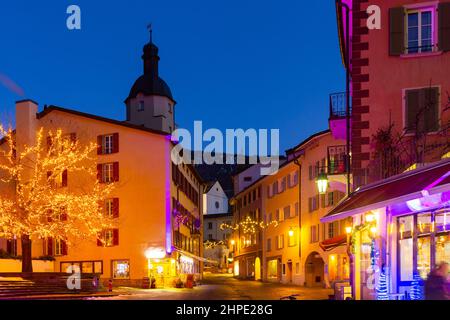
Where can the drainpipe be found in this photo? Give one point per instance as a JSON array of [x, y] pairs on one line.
[[299, 208]]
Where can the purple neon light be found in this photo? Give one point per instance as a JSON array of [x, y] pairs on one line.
[[168, 197]]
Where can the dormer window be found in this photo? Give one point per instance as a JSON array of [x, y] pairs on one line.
[[140, 106]]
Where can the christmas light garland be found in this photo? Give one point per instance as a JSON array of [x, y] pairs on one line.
[[249, 225]]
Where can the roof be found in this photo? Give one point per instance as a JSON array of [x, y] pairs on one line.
[[311, 137], [287, 162], [51, 108], [149, 86], [406, 186]]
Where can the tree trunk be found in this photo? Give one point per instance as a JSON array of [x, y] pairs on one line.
[[27, 265]]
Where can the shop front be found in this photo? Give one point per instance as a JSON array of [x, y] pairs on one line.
[[400, 232], [166, 270]]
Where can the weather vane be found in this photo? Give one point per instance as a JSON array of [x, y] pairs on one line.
[[150, 29]]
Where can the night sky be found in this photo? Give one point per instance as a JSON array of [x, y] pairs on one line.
[[232, 64]]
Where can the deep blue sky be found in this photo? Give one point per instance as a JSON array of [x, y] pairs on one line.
[[231, 63]]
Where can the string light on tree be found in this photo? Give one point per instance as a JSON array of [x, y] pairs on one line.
[[41, 204]]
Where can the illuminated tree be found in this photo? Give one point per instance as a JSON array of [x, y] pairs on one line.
[[382, 287], [36, 202]]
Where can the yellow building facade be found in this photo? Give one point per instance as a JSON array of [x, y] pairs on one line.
[[295, 247]]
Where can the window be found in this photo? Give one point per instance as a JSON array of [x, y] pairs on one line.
[[108, 172], [280, 242], [108, 144], [297, 268], [110, 208], [277, 215], [287, 212], [141, 106], [333, 229], [210, 236], [422, 110], [269, 218], [247, 179], [284, 268], [420, 30], [292, 241], [121, 269], [109, 236], [217, 204], [269, 244], [314, 234], [170, 107], [58, 247], [210, 225]]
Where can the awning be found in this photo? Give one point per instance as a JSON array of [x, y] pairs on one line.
[[193, 256], [332, 243], [430, 179]]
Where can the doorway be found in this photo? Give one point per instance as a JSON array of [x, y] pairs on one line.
[[314, 270], [257, 269]]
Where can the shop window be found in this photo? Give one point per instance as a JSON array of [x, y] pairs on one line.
[[272, 269], [423, 256], [121, 269], [443, 248]]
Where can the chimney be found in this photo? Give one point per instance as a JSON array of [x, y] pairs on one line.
[[26, 123]]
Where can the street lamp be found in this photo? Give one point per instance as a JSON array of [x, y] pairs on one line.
[[322, 183], [291, 232]]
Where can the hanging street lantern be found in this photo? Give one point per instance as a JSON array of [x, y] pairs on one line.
[[322, 183]]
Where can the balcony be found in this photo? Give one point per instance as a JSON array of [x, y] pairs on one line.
[[338, 106], [337, 156], [338, 112]]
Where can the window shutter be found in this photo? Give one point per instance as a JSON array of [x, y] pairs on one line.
[[430, 103], [49, 215], [63, 214], [412, 108], [317, 201], [310, 172], [115, 207], [64, 247], [115, 237], [310, 204], [323, 197], [64, 178], [99, 239], [73, 137], [99, 144], [116, 171], [396, 31], [49, 246], [115, 143], [49, 143], [99, 173], [444, 26]]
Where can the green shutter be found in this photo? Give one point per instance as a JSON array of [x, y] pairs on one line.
[[412, 108], [430, 98], [444, 26], [396, 31]]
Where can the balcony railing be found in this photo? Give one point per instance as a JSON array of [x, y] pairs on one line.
[[338, 105], [337, 163]]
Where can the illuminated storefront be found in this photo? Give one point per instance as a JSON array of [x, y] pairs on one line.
[[400, 232]]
